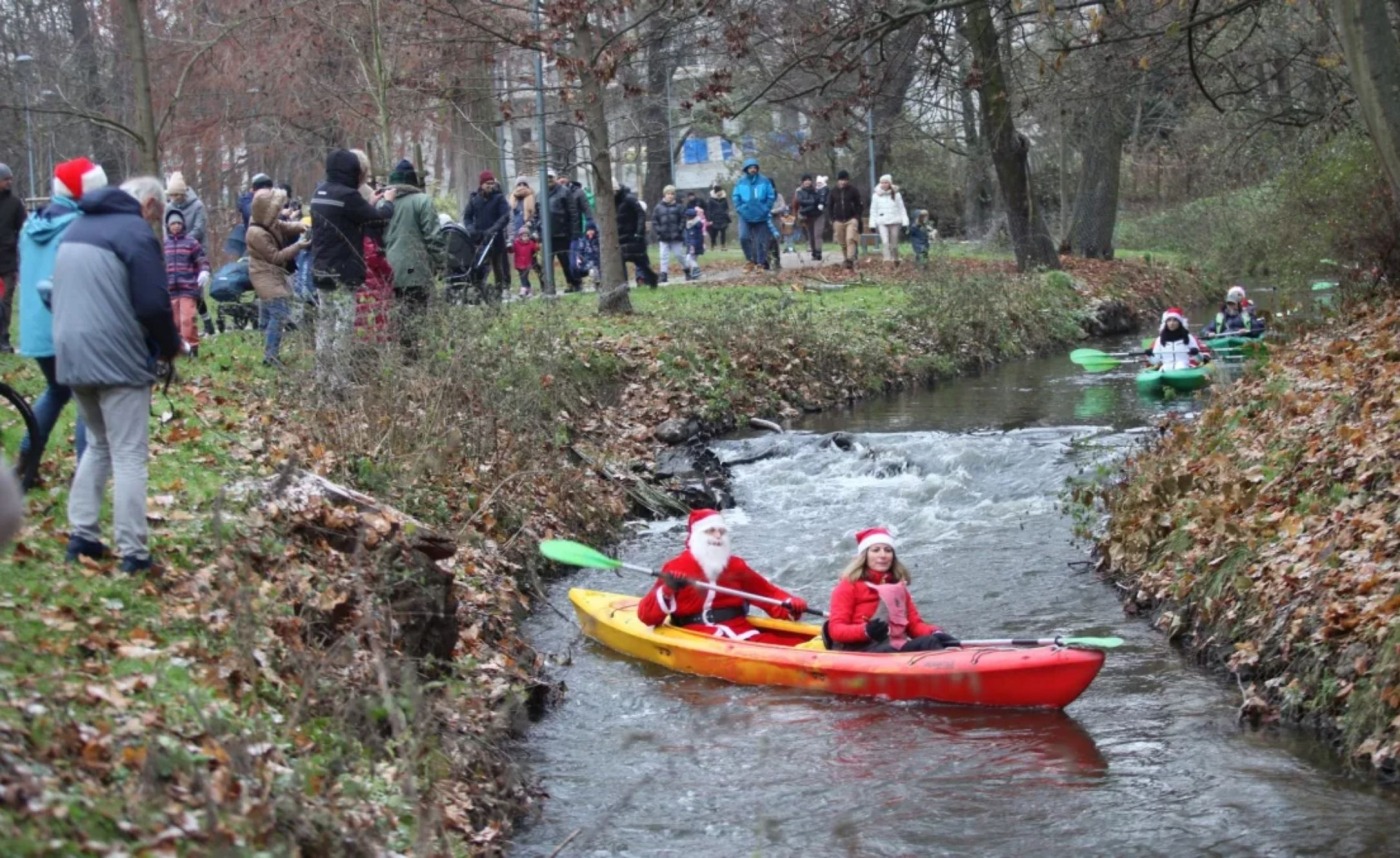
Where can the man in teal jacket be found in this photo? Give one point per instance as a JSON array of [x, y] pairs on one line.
[[754, 196]]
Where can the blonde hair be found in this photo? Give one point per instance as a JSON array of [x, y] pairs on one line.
[[855, 570]]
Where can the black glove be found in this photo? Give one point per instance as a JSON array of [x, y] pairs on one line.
[[677, 583], [877, 630], [946, 639]]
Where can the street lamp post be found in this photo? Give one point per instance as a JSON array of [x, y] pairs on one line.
[[25, 60]]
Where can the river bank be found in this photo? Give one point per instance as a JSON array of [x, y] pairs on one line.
[[1263, 536], [333, 673]]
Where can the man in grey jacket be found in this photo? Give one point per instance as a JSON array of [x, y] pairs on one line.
[[111, 322]]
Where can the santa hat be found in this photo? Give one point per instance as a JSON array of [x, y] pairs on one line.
[[702, 520], [74, 178], [1174, 313], [873, 536]]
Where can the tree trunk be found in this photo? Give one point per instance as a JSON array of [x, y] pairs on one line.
[[134, 28], [1106, 129], [612, 292], [474, 117], [1373, 61], [900, 67], [655, 116], [1010, 149], [977, 186], [89, 94]]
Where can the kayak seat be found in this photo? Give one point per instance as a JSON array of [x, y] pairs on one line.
[[819, 643]]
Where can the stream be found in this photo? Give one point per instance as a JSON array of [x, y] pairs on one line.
[[639, 761]]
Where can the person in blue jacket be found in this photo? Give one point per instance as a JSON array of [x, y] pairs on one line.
[[754, 196], [38, 250]]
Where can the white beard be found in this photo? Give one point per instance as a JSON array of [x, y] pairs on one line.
[[712, 558]]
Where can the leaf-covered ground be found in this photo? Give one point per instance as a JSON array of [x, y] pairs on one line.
[[335, 675], [1265, 534]]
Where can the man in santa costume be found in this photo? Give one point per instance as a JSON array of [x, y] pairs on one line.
[[707, 558]]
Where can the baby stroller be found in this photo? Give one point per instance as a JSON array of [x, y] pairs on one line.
[[229, 286], [469, 266]]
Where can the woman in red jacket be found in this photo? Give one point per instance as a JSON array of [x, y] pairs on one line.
[[871, 609]]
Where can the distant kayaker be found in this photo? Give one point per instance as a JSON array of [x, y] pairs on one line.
[[1236, 316], [1175, 347], [707, 558], [871, 609]]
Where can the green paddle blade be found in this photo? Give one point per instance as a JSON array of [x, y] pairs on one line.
[[1148, 343], [1323, 285], [577, 554], [1093, 643], [1087, 355], [1101, 365]]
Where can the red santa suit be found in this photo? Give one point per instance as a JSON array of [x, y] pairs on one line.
[[704, 610]]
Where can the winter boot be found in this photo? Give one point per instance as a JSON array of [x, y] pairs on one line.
[[664, 275]]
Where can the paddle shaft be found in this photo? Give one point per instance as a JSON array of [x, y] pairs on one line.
[[1058, 640], [705, 585]]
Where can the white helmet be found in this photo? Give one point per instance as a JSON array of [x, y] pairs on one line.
[[1235, 295]]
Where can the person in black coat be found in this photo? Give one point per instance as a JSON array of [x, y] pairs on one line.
[[339, 216], [632, 234], [13, 214], [565, 224], [486, 217], [717, 213]]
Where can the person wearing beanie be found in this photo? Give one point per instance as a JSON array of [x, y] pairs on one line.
[[245, 200], [12, 217], [339, 215], [181, 197], [871, 608], [717, 214], [668, 222], [404, 173], [844, 207], [415, 249], [486, 217], [1236, 317], [186, 275], [1175, 347], [38, 249], [680, 595], [888, 216], [810, 202]]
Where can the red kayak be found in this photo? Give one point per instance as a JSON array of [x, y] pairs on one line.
[[1042, 677]]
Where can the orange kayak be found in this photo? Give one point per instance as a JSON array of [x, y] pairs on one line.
[[1042, 677]]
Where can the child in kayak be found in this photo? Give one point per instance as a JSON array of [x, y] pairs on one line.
[[871, 609], [1175, 347], [707, 559], [1236, 317]]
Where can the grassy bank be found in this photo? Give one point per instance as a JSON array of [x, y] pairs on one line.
[[337, 675], [1264, 536]]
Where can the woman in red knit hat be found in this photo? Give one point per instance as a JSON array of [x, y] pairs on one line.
[[871, 609]]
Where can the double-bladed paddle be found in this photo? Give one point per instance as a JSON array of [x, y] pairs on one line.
[[577, 554], [1058, 640]]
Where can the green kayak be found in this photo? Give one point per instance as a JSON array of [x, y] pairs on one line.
[[1246, 345], [1155, 380]]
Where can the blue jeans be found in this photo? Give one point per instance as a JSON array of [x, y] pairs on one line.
[[272, 312], [47, 409], [755, 237]]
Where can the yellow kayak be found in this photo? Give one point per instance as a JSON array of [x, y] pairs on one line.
[[1047, 677]]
